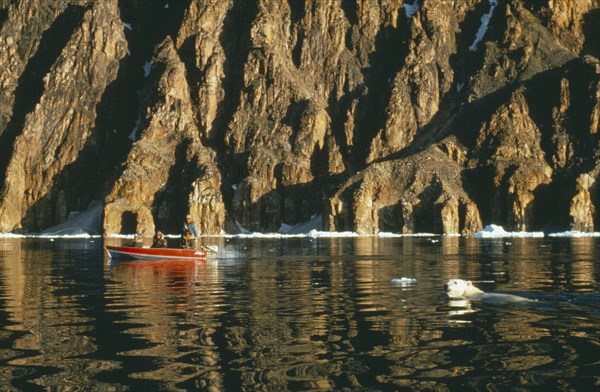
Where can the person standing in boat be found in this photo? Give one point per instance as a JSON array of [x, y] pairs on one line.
[[187, 241], [189, 226]]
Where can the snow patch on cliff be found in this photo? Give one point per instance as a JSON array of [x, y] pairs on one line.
[[79, 225], [411, 9], [133, 134], [485, 22], [147, 69], [304, 227]]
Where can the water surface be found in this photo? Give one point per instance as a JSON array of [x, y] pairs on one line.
[[301, 314]]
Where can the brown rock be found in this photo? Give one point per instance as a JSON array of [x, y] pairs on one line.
[[595, 114], [426, 76], [450, 216], [523, 49], [199, 44], [583, 207], [566, 19], [62, 122], [20, 37], [169, 143], [509, 144], [421, 193], [281, 122]]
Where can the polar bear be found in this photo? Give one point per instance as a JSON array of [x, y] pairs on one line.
[[464, 289]]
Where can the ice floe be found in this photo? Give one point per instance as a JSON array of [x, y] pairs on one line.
[[575, 234], [495, 231], [403, 281]]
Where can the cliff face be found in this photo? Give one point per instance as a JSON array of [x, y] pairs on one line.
[[382, 116], [61, 125]]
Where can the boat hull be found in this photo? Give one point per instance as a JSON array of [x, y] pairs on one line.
[[115, 252]]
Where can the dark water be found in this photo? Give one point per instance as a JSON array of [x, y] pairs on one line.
[[300, 314]]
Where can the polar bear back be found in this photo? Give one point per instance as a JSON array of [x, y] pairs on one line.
[[498, 298], [464, 289]]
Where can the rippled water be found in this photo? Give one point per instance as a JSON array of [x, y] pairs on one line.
[[301, 314]]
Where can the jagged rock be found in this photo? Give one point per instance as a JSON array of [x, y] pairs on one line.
[[563, 146], [61, 124], [422, 193], [199, 44], [566, 19], [424, 79], [281, 123], [450, 216], [583, 206], [509, 145], [206, 203], [168, 147], [21, 38], [595, 113], [521, 50], [415, 97]]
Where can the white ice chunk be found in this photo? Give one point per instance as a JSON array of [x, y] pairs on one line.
[[575, 234], [404, 281], [314, 233], [495, 231], [386, 234]]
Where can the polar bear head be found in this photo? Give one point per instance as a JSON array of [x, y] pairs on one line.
[[458, 288]]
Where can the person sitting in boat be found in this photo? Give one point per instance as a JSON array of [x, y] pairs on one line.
[[159, 240], [138, 241], [190, 226], [188, 240]]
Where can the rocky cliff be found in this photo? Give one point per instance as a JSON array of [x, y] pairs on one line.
[[381, 115]]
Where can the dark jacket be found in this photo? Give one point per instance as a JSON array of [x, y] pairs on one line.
[[159, 243], [137, 242], [189, 243]]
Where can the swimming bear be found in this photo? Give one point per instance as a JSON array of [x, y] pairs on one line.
[[464, 289]]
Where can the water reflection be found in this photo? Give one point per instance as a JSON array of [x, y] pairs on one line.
[[173, 308], [301, 314], [45, 328]]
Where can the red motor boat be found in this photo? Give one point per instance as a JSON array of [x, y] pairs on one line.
[[155, 253]]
